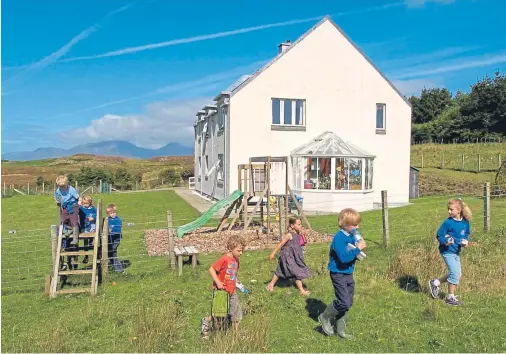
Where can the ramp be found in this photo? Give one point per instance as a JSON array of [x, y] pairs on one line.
[[204, 218]]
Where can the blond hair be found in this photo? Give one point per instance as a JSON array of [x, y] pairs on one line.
[[62, 180], [87, 198], [465, 211], [235, 241], [349, 217], [111, 207]]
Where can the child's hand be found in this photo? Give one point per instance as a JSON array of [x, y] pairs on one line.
[[272, 256], [361, 244], [90, 218], [219, 285]]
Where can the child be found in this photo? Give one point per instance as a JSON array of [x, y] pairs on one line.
[[66, 198], [88, 217], [291, 258], [224, 275], [453, 234], [342, 260], [114, 237]]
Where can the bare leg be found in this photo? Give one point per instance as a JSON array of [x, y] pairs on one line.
[[451, 288], [270, 286], [236, 326], [303, 291], [443, 279]]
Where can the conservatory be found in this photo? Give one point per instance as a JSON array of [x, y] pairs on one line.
[[331, 174]]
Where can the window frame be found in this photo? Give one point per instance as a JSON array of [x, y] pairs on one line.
[[383, 129], [282, 103]]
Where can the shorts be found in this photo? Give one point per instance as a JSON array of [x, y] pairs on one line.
[[452, 261], [235, 311]]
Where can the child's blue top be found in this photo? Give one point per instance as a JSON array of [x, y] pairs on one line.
[[67, 198], [85, 214], [340, 259], [458, 229], [114, 225]]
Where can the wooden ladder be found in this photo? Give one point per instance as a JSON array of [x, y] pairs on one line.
[[60, 259]]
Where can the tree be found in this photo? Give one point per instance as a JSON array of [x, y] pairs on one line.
[[187, 173], [171, 176], [123, 179], [430, 104]]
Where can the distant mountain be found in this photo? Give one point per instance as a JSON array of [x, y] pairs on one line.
[[109, 148]]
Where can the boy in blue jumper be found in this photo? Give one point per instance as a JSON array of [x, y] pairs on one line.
[[114, 237], [453, 234], [88, 218], [66, 197], [343, 254]]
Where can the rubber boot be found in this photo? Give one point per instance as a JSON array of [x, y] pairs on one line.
[[325, 319], [340, 325], [75, 240]]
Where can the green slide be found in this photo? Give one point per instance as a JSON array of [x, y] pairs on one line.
[[204, 218]]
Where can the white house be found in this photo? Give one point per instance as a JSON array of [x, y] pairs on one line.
[[323, 103]]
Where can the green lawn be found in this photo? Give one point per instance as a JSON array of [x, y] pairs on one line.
[[151, 309]]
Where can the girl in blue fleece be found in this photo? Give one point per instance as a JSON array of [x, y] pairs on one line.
[[453, 234]]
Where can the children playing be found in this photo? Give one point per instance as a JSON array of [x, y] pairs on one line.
[[453, 234], [66, 197], [224, 275], [115, 236], [88, 221], [342, 260], [291, 258]]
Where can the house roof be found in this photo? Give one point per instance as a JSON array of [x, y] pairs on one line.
[[325, 19], [329, 144]]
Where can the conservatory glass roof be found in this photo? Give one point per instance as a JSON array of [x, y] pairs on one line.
[[329, 144]]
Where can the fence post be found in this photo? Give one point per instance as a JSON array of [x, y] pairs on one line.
[[463, 162], [384, 215], [4, 188], [170, 232], [486, 207], [77, 188], [499, 160], [91, 189], [479, 163], [100, 187], [105, 247], [422, 159], [443, 161], [28, 189], [43, 188], [54, 243]]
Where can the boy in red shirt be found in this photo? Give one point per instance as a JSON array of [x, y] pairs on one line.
[[224, 275]]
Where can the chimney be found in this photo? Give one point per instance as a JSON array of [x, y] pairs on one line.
[[284, 46]]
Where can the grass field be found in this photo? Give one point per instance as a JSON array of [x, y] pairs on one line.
[[462, 157], [151, 309]]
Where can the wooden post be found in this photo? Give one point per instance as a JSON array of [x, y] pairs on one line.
[[91, 189], [4, 188], [282, 217], [443, 161], [170, 232], [422, 159], [43, 188], [486, 207], [77, 188], [479, 163], [105, 248], [268, 177], [384, 214], [100, 187], [136, 185], [28, 189], [463, 162], [54, 187], [499, 160], [54, 242], [287, 198]]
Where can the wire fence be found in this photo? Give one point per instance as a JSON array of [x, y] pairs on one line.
[[457, 161], [27, 253], [491, 140]]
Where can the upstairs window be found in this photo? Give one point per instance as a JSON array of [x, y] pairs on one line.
[[222, 117], [288, 112], [381, 117]]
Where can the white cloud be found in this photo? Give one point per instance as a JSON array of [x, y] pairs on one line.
[[161, 123], [48, 60], [450, 66], [421, 3], [414, 87]]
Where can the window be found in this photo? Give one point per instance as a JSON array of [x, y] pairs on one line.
[[199, 167], [222, 116], [381, 115], [207, 165], [219, 170], [288, 113], [318, 173]]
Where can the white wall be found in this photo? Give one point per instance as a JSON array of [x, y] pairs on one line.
[[341, 90], [213, 146]]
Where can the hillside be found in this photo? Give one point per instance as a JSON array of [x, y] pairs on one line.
[[104, 148], [24, 172]]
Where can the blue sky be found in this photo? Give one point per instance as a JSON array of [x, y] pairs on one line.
[[91, 70]]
